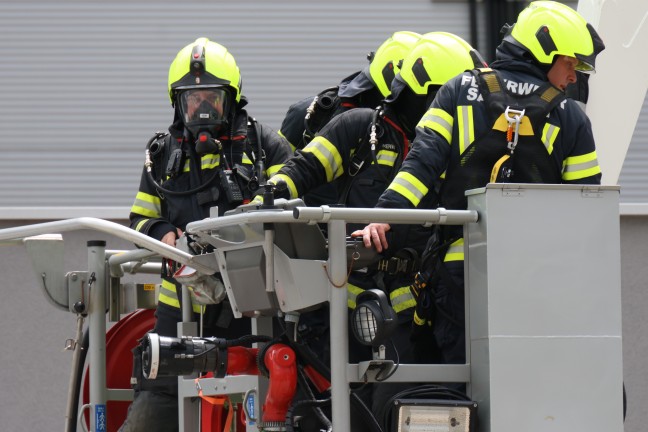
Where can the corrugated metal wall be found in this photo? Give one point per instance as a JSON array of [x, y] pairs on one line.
[[83, 84], [634, 174]]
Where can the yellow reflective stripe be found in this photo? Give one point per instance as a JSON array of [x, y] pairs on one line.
[[162, 298], [578, 167], [292, 189], [168, 294], [386, 157], [439, 121], [284, 137], [418, 320], [549, 135], [328, 156], [496, 168], [272, 170], [186, 166], [209, 161], [147, 205], [455, 251], [246, 159], [409, 186], [169, 286], [466, 127], [401, 299], [140, 224], [197, 308], [352, 294]]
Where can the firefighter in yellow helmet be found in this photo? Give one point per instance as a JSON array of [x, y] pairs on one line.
[[362, 149], [468, 134], [187, 172], [362, 89]]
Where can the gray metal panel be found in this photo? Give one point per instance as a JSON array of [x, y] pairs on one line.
[[545, 321], [634, 174], [84, 83]]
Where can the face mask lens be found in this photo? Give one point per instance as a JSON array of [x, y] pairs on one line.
[[207, 106]]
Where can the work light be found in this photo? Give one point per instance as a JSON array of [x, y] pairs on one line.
[[373, 320], [429, 415]]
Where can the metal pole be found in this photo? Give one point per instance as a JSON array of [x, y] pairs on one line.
[[117, 258], [350, 215], [268, 248], [74, 378], [187, 307], [341, 412], [97, 329], [439, 216]]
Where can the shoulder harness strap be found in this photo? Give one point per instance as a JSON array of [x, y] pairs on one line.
[[537, 103], [366, 146], [254, 149], [527, 112]]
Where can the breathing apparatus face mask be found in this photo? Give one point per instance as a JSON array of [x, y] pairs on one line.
[[205, 111], [409, 106]]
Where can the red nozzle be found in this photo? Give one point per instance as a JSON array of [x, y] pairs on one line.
[[281, 362]]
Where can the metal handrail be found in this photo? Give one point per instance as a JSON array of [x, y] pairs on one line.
[[335, 217], [112, 228], [325, 213]]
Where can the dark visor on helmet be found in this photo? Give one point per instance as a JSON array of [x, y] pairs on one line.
[[586, 63]]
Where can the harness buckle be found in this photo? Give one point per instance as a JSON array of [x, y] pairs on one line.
[[396, 265], [355, 166]]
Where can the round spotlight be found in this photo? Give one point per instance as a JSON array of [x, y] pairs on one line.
[[373, 320]]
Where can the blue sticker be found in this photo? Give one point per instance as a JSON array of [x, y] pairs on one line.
[[100, 418], [250, 408]]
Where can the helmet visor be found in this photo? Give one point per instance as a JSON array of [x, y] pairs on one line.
[[584, 66], [207, 106]]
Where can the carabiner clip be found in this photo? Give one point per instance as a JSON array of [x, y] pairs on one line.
[[515, 119]]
